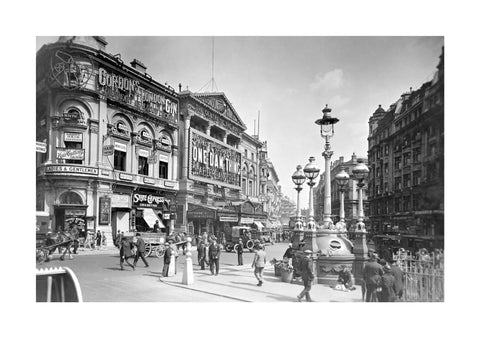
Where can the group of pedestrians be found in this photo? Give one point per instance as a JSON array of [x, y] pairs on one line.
[[383, 281], [133, 250]]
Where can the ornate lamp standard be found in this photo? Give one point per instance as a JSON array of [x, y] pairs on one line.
[[342, 181], [311, 171], [327, 123], [360, 172], [298, 179]]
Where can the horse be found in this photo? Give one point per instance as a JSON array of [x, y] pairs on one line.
[[61, 240]]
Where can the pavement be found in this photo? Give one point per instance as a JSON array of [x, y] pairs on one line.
[[238, 283]]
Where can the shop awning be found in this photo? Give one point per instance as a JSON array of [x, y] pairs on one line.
[[151, 217], [259, 225]]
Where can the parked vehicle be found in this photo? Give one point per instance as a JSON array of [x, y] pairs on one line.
[[247, 235]]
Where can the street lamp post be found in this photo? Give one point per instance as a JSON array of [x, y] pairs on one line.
[[298, 179], [311, 171], [360, 172], [327, 123], [342, 181]]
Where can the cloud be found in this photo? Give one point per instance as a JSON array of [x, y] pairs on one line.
[[338, 101], [329, 81]]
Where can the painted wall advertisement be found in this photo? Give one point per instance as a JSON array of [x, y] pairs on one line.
[[212, 161]]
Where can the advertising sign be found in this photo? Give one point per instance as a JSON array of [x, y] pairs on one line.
[[70, 154], [73, 137], [149, 200], [212, 161], [120, 201], [104, 210], [108, 149], [70, 169], [41, 147]]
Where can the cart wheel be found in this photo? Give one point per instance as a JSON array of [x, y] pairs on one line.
[[41, 256], [148, 249], [160, 251], [228, 247], [250, 245], [235, 247]]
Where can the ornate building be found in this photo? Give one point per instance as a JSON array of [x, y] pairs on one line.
[[406, 155], [219, 181], [106, 140]]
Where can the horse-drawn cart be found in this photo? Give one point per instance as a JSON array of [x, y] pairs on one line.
[[47, 247]]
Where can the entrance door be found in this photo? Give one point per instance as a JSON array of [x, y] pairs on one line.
[[120, 221]]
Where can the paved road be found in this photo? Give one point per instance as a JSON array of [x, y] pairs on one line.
[[102, 280]]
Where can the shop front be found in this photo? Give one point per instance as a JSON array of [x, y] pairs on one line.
[[70, 210], [227, 218], [152, 212], [203, 219]]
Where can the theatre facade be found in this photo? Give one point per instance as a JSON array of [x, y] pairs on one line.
[[106, 134], [213, 167]]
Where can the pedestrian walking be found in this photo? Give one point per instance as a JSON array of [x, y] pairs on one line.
[[117, 239], [104, 239], [259, 262], [88, 241], [98, 239], [126, 253], [175, 258], [388, 293], [166, 259], [398, 274], [202, 252], [140, 244], [240, 251], [214, 256], [75, 235], [372, 273], [307, 276]]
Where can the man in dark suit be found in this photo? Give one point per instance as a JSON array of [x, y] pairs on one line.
[[307, 276], [398, 275], [388, 293], [214, 256], [166, 259], [126, 253], [240, 251], [202, 251], [140, 251], [372, 273]]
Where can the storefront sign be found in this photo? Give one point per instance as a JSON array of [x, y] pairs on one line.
[[129, 91], [166, 216], [71, 169], [108, 149], [75, 212], [212, 161], [70, 154], [228, 218], [203, 213], [41, 147], [120, 201], [246, 220], [143, 153], [73, 137], [149, 200], [104, 210], [148, 180], [120, 147], [126, 177]]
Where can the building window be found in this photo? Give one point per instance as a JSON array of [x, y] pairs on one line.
[[385, 187], [406, 159], [406, 180], [386, 168], [246, 153], [416, 156], [416, 202], [250, 188], [142, 165], [398, 183], [73, 145], [119, 160], [406, 203], [163, 169], [398, 206], [244, 186], [397, 162], [253, 157], [416, 177]]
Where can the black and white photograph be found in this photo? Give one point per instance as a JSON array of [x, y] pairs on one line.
[[212, 168], [243, 169]]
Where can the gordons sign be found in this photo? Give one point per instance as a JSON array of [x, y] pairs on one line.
[[213, 162]]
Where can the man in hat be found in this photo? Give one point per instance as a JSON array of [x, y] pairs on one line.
[[214, 256], [372, 272], [240, 251], [307, 276], [388, 293], [259, 262], [398, 274], [202, 251], [289, 253], [140, 244], [126, 253], [166, 259]]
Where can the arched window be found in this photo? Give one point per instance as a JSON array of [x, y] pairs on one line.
[[70, 197]]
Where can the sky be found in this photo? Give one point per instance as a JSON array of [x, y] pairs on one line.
[[288, 81]]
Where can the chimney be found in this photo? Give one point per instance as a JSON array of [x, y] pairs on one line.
[[138, 65], [354, 158], [341, 159]]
